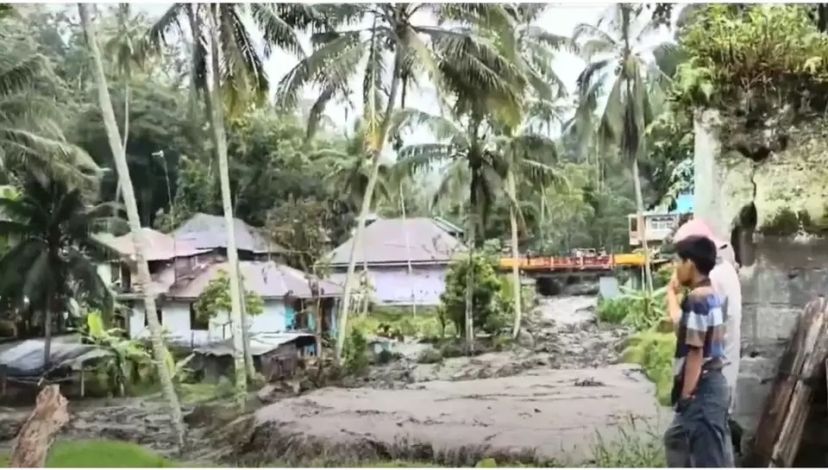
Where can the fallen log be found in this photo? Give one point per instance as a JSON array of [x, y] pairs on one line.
[[38, 432], [779, 432]]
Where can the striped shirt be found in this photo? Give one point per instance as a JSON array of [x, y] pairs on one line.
[[702, 325]]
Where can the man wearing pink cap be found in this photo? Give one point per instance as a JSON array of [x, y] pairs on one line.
[[725, 280]]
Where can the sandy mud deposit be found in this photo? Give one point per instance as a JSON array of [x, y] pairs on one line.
[[543, 401], [539, 415]]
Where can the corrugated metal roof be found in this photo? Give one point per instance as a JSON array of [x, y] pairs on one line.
[[160, 246], [266, 278], [208, 232], [261, 343], [395, 241], [25, 359]]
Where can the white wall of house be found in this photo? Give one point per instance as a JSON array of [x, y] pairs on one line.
[[105, 273], [393, 285], [175, 319]]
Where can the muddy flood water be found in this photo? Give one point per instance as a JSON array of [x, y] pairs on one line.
[[550, 398], [544, 399]]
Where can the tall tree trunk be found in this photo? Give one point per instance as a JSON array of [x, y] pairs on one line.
[[468, 318], [248, 355], [47, 334], [217, 125], [111, 126], [126, 137], [408, 253], [543, 218], [195, 128], [195, 28], [510, 181], [376, 153], [642, 227]]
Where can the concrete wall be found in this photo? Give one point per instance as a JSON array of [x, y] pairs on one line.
[[394, 286], [175, 319], [780, 273]]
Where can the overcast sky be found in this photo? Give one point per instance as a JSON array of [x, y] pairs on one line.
[[559, 18]]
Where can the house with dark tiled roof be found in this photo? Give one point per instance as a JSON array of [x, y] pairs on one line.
[[406, 259], [209, 231], [182, 265]]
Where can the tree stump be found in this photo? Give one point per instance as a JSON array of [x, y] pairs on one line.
[[38, 432]]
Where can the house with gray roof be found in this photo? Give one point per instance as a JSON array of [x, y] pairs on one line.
[[183, 263], [406, 259], [207, 231]]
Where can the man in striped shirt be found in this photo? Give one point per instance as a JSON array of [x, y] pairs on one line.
[[699, 435]]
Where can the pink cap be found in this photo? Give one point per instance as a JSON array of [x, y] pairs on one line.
[[697, 227]]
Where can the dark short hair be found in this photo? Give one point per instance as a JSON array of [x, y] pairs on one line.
[[700, 250]]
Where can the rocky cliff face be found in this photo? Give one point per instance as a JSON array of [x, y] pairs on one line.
[[767, 189]]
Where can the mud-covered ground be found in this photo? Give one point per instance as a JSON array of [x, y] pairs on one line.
[[545, 398], [545, 414]]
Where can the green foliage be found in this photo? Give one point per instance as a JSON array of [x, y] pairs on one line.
[[654, 352], [637, 309], [53, 255], [755, 58], [356, 352], [216, 299], [786, 222], [639, 445], [487, 298], [103, 454], [400, 321], [130, 362]]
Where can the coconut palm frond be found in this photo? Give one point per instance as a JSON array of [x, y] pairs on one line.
[[332, 64], [277, 22]]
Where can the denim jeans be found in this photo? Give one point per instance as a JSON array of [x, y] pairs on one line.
[[700, 436]]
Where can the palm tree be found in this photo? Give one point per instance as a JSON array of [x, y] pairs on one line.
[[527, 156], [470, 168], [393, 41], [119, 155], [30, 119], [52, 257], [122, 49], [243, 75], [238, 78], [617, 59]]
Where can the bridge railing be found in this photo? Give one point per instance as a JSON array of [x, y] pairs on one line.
[[566, 263]]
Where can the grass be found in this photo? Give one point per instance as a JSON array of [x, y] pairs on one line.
[[99, 454], [423, 325], [202, 392], [654, 352], [634, 448]]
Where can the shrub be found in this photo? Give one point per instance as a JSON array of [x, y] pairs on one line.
[[394, 322], [654, 352], [613, 310], [487, 296], [356, 352], [637, 309]]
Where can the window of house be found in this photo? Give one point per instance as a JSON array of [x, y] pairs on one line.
[[157, 315], [197, 323]]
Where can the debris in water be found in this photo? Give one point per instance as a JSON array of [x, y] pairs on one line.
[[588, 382]]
